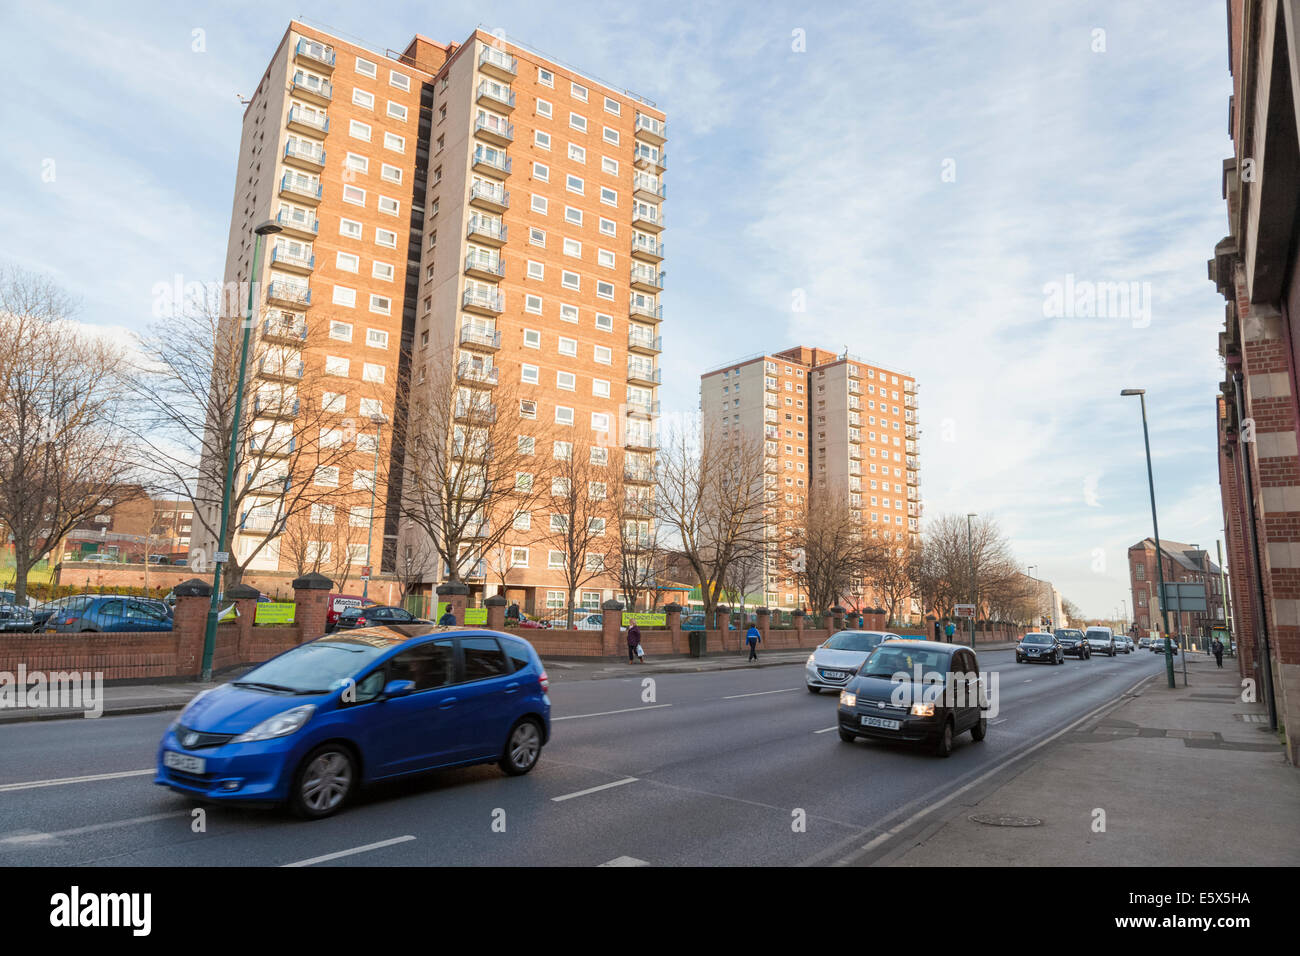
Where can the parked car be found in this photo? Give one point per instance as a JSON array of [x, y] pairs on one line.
[[693, 622], [1158, 645], [1144, 643], [1040, 646], [532, 623], [337, 604], [182, 561], [311, 726], [1123, 644], [16, 618], [870, 705], [10, 597], [588, 622], [1100, 640], [100, 558], [372, 614], [1072, 642], [834, 662], [110, 613]]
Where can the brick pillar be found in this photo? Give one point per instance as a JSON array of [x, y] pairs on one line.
[[797, 622], [673, 613], [311, 594], [762, 618], [190, 619], [612, 641], [245, 599], [496, 612], [837, 618], [456, 595]]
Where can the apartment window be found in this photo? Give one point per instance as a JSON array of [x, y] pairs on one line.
[[359, 130], [363, 99], [603, 355], [337, 365], [537, 237], [528, 374], [347, 262], [381, 304], [533, 304], [370, 407], [542, 140], [604, 323], [545, 77], [608, 227], [335, 402], [572, 215], [577, 153], [391, 173], [377, 338], [570, 280], [371, 372], [600, 456], [608, 196], [562, 450], [363, 480], [536, 270], [397, 111], [563, 415], [527, 408], [605, 290], [600, 388], [574, 184], [527, 444], [605, 257], [541, 172], [345, 297], [532, 339], [578, 92], [572, 247], [544, 108], [326, 476], [350, 228], [322, 514], [566, 380], [382, 271], [523, 481], [539, 204], [366, 68], [394, 142], [519, 556], [399, 80], [578, 122], [611, 136], [599, 422], [389, 205], [555, 561], [608, 165], [354, 195], [613, 106], [386, 237], [568, 347]]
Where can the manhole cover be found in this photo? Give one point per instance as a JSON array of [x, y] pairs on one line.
[[1004, 820]]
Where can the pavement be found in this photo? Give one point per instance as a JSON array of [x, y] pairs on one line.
[[1180, 777]]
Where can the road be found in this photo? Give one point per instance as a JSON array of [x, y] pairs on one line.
[[721, 768]]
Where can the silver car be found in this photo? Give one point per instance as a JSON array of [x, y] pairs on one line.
[[836, 660]]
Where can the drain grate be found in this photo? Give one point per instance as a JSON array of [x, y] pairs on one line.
[[1004, 820]]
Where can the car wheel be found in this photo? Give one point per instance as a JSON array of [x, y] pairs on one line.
[[324, 782], [847, 736], [523, 748], [814, 690], [980, 729], [943, 746]]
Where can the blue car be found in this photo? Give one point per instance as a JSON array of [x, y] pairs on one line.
[[309, 727], [113, 612]]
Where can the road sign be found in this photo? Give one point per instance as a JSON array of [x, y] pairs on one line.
[[1181, 597], [365, 573], [964, 610], [221, 557]]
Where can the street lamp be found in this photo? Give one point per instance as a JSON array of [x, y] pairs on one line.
[[1160, 574], [379, 421], [974, 588], [268, 228]]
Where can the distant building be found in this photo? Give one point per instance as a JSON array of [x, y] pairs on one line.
[[1181, 563]]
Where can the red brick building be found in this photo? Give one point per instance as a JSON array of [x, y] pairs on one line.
[[1180, 564]]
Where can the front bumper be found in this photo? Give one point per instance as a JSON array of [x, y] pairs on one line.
[[1025, 657], [912, 729], [814, 677], [258, 772]]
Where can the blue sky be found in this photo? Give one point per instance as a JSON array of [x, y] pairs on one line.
[[814, 173]]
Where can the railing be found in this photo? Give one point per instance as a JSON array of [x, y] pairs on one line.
[[474, 411], [315, 51], [645, 341], [648, 277], [323, 88], [651, 125], [468, 372], [490, 264], [312, 152], [286, 330], [655, 313], [274, 406], [633, 473], [648, 214], [651, 155], [473, 335], [642, 408], [643, 372], [483, 300], [312, 225], [300, 295], [283, 257], [495, 193], [495, 91], [281, 369], [499, 59], [642, 244], [303, 118], [290, 183], [649, 184], [499, 127], [491, 228]]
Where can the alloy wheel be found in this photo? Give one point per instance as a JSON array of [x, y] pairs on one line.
[[327, 781], [525, 742]]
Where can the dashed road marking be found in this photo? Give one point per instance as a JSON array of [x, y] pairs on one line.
[[355, 850], [625, 861], [606, 713], [60, 781], [603, 786], [761, 693]]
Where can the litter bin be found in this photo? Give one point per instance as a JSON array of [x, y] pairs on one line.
[[698, 643]]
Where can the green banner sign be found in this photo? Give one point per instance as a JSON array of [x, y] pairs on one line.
[[275, 613], [644, 619], [474, 616]]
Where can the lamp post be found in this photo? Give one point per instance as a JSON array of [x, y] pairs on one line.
[[379, 421], [1155, 524], [268, 228], [974, 587]]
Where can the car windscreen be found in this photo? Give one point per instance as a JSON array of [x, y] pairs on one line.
[[1099, 635], [316, 667], [1069, 635], [1037, 639], [852, 641], [890, 660]]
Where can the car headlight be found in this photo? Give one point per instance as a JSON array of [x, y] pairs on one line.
[[281, 725], [811, 659], [923, 710], [847, 699]]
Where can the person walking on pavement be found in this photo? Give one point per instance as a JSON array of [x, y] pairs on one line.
[[634, 644], [1217, 648], [949, 630], [448, 618], [512, 612], [752, 637]]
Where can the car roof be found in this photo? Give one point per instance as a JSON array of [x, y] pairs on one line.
[[392, 635], [932, 645]]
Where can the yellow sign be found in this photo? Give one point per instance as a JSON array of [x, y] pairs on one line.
[[275, 613], [644, 619], [474, 616]]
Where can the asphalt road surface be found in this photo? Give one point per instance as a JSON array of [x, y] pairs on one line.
[[721, 768]]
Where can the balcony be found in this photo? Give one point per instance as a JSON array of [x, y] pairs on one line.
[[643, 373], [279, 292], [640, 441], [495, 96], [476, 412], [855, 452], [644, 342], [288, 327], [769, 466], [255, 521], [301, 263], [484, 266], [310, 88], [909, 388], [494, 130], [649, 218], [644, 247], [305, 155], [650, 129], [912, 463], [639, 474], [649, 158], [471, 374], [909, 401], [270, 367], [911, 447], [318, 55], [276, 406], [490, 196], [649, 312], [648, 188], [300, 188], [474, 336], [304, 226], [491, 161], [638, 506], [498, 63], [305, 122], [911, 431], [647, 278], [770, 400], [483, 301], [485, 230], [909, 415], [647, 408]]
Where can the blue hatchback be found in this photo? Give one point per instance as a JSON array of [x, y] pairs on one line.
[[310, 726]]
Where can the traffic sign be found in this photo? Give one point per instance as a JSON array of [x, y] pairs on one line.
[[964, 610]]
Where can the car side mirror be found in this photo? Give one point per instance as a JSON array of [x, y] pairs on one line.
[[398, 688]]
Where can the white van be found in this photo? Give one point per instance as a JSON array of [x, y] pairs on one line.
[[1101, 640]]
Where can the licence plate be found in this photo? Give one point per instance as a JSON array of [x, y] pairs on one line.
[[880, 722], [833, 675], [183, 762]]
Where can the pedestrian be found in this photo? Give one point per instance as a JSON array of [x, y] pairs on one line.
[[448, 618], [634, 650], [752, 637], [861, 622], [512, 612], [1217, 647], [949, 629]]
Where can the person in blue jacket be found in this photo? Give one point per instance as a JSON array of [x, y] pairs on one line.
[[752, 637], [448, 618]]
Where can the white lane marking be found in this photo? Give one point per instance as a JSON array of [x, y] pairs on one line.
[[925, 811], [760, 693], [1000, 720], [625, 861], [352, 852], [827, 730], [603, 786], [606, 713], [27, 838], [91, 778]]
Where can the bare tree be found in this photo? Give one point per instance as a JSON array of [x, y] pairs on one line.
[[578, 516], [469, 470], [951, 551], [710, 498], [63, 452], [295, 444], [824, 547], [889, 571], [640, 554], [416, 561]]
